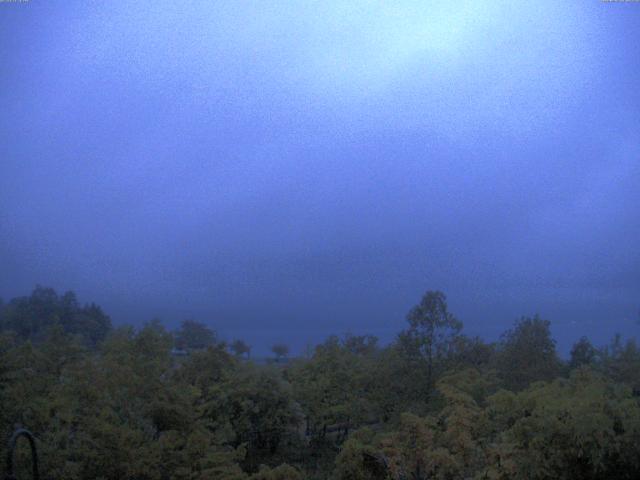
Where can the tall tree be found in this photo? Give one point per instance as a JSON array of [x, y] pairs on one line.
[[582, 353], [432, 328], [621, 361], [194, 335], [527, 353]]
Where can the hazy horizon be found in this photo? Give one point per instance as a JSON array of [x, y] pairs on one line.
[[286, 171]]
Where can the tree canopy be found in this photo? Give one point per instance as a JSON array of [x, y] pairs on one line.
[[433, 404], [193, 335], [30, 318]]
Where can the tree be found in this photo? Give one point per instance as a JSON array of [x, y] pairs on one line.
[[361, 344], [621, 361], [339, 390], [359, 459], [31, 317], [240, 348], [582, 353], [194, 335], [258, 405], [280, 350], [432, 328], [281, 472], [527, 353], [470, 352], [583, 427]]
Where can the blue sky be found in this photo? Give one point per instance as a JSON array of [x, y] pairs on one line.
[[287, 170]]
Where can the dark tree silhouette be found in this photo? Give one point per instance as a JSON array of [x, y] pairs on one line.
[[240, 348], [280, 350], [432, 328], [194, 335]]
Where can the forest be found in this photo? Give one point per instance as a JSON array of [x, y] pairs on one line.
[[147, 403]]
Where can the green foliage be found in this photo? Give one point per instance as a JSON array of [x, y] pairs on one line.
[[527, 353], [359, 459], [583, 353], [31, 317], [435, 404], [194, 335], [446, 445], [361, 344], [622, 361], [281, 472], [467, 352], [256, 405], [121, 413], [432, 329], [336, 388], [584, 427]]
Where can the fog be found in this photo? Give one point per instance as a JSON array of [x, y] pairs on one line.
[[283, 171]]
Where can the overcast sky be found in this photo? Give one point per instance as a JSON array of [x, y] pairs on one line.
[[286, 170]]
